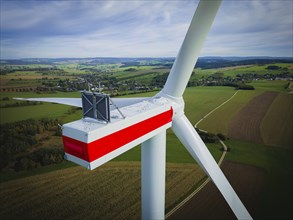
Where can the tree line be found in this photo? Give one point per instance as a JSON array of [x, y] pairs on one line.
[[20, 149]]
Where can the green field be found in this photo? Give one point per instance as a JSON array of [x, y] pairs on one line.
[[270, 85], [219, 121], [276, 130], [34, 95], [201, 100], [277, 163], [235, 70], [143, 74], [259, 69], [46, 110]]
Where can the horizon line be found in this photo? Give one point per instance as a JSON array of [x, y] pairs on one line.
[[146, 57]]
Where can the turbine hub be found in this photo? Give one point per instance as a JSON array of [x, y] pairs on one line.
[[177, 103]]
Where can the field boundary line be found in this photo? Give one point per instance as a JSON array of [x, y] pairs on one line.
[[215, 109]]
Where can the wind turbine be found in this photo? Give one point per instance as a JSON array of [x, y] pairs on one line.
[[90, 143]]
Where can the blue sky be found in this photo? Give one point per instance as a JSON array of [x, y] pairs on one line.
[[92, 28]]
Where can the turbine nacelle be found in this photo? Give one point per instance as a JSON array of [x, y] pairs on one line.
[[90, 143]]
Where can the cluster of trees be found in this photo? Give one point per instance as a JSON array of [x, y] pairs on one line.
[[243, 86], [218, 79], [130, 63], [54, 71], [4, 71], [272, 76], [288, 86], [40, 157], [26, 89], [213, 138], [240, 85], [273, 67], [19, 147], [159, 80], [18, 104], [209, 137], [5, 99], [130, 70]]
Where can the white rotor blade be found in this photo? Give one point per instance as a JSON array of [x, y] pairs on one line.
[[119, 102], [65, 101], [196, 147], [191, 47]]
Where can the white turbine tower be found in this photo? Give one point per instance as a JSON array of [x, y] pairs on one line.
[[90, 143]]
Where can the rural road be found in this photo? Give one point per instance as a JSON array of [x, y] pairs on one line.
[[219, 162]]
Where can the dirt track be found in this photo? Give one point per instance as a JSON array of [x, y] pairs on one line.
[[246, 180], [246, 124]]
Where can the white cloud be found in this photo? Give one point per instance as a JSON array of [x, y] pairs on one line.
[[141, 28]]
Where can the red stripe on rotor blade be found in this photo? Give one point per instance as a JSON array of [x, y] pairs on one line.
[[107, 144]]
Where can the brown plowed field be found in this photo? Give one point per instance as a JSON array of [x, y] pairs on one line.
[[246, 180], [246, 125]]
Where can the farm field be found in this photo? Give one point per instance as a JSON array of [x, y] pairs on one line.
[[277, 164], [201, 100], [274, 131], [244, 69], [259, 69], [270, 85], [110, 192], [133, 72], [218, 121], [260, 175], [45, 110], [246, 180], [28, 79], [246, 124], [253, 116]]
